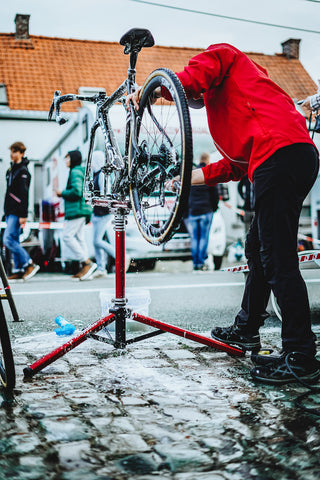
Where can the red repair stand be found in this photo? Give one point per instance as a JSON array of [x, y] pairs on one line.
[[119, 313]]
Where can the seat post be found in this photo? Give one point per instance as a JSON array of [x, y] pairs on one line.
[[132, 69]]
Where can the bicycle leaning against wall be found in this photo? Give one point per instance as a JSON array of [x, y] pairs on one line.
[[158, 147]]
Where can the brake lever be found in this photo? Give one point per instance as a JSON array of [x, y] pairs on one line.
[[51, 111], [55, 106]]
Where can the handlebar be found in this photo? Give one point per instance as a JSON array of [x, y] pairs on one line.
[[58, 99]]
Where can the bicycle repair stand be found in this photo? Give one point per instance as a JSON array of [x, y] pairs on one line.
[[119, 313], [5, 294]]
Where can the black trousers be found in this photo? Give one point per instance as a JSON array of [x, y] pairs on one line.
[[281, 184]]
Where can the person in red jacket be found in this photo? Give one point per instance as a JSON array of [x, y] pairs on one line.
[[257, 129]]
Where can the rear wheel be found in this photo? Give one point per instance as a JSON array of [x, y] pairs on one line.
[[160, 149], [7, 370]]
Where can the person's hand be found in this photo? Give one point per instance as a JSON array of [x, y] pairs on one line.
[[58, 193], [173, 184], [134, 98], [306, 104], [22, 220]]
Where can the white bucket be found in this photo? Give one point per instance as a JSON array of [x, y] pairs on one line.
[[138, 302]]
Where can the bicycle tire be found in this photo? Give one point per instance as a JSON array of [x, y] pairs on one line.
[[159, 150], [7, 369]]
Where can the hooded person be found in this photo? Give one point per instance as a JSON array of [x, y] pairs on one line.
[[77, 214], [100, 217]]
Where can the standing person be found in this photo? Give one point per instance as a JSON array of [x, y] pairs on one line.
[[258, 130], [203, 201], [245, 189], [99, 218], [16, 211], [77, 214]]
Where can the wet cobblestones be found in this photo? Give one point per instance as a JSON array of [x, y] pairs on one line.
[[162, 409]]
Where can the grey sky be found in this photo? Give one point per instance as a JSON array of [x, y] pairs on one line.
[[109, 19]]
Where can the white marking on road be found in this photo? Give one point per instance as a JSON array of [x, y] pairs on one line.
[[148, 287]]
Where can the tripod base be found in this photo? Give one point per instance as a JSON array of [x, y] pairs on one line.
[[119, 314], [90, 332]]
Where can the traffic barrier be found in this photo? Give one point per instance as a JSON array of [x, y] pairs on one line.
[[307, 256]]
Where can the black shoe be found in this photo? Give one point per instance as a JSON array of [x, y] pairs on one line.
[[264, 357], [288, 368], [234, 336]]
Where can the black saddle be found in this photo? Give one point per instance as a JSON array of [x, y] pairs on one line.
[[135, 39]]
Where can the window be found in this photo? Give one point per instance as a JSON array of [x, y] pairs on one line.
[[3, 95]]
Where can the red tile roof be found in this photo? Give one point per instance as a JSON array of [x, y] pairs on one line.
[[33, 69]]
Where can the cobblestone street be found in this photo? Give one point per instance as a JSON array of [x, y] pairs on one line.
[[163, 409]]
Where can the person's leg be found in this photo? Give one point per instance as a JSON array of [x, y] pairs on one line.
[[88, 267], [257, 290], [72, 241], [102, 248], [79, 235], [11, 241], [278, 214], [245, 330], [194, 233], [271, 251], [98, 251], [204, 227]]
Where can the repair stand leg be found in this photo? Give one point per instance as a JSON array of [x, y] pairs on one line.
[[120, 300], [8, 294]]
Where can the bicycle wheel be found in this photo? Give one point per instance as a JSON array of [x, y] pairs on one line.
[[7, 370], [160, 149]]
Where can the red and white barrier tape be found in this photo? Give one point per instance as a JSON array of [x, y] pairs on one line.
[[309, 239], [39, 225], [308, 256], [236, 210], [300, 235]]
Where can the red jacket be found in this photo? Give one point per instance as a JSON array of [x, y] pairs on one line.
[[249, 116]]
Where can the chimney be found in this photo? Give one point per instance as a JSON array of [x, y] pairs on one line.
[[290, 48], [22, 26]]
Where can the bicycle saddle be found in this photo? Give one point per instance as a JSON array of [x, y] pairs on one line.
[[135, 39]]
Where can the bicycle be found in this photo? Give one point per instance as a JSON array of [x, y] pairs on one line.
[[158, 147]]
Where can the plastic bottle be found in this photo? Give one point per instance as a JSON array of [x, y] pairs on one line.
[[66, 328]]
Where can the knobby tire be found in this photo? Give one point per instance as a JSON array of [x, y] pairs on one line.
[[7, 370], [163, 137]]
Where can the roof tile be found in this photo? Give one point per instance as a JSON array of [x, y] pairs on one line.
[[33, 69]]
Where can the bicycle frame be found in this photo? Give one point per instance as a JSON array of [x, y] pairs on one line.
[[115, 162]]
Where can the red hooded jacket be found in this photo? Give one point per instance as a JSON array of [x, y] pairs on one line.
[[249, 116]]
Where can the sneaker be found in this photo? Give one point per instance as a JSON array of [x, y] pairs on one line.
[[30, 271], [289, 368], [87, 271], [16, 276], [99, 274], [264, 357], [203, 268], [233, 336]]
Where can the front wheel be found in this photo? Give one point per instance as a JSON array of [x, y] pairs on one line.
[[160, 149], [7, 370]]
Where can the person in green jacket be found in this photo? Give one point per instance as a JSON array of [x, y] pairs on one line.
[[77, 215]]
